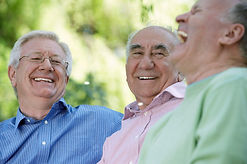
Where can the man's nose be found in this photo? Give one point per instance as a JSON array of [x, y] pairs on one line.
[[182, 18], [46, 64], [146, 62]]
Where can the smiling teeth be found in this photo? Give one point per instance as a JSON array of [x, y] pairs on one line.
[[146, 78], [182, 36], [43, 79]]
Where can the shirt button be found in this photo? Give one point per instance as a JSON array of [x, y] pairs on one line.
[[46, 122], [28, 120], [136, 136], [140, 104], [130, 162], [145, 114], [43, 143]]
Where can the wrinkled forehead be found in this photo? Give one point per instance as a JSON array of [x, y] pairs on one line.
[[42, 44], [153, 36]]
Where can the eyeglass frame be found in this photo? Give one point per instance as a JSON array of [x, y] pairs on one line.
[[66, 63]]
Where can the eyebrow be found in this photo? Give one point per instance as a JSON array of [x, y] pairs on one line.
[[161, 46], [41, 53], [135, 46], [158, 46]]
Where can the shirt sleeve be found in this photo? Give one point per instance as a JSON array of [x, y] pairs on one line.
[[221, 136]]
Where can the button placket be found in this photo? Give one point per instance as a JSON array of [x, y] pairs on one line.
[[44, 139]]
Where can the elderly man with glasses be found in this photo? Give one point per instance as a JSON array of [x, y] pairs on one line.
[[46, 129]]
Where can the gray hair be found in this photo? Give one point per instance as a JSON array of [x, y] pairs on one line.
[[16, 50], [238, 14], [132, 35]]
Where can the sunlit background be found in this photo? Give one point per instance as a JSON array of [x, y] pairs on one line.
[[96, 32]]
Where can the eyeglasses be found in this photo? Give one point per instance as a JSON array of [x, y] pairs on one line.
[[39, 58]]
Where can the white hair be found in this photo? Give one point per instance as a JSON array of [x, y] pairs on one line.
[[16, 50]]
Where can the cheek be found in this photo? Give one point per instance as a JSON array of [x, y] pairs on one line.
[[164, 65], [178, 54], [60, 73], [22, 74], [63, 80], [131, 67], [168, 71], [129, 75], [129, 80]]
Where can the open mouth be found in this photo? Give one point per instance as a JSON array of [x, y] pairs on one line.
[[146, 78], [39, 79], [182, 36]]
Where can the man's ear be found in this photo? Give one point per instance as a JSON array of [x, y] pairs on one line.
[[12, 75], [67, 79], [232, 34]]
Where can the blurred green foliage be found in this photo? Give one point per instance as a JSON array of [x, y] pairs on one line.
[[17, 16], [96, 31], [90, 92], [146, 9], [95, 17]]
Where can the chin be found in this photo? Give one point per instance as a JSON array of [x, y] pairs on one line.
[[45, 94], [148, 93]]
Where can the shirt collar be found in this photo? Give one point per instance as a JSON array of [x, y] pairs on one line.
[[175, 90], [19, 118], [57, 107]]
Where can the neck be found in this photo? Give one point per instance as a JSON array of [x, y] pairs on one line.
[[143, 102], [146, 100], [209, 70], [219, 61], [36, 109]]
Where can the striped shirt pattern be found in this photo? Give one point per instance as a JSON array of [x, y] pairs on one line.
[[65, 135]]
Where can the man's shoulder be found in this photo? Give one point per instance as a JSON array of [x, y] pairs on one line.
[[7, 125], [99, 117], [231, 78]]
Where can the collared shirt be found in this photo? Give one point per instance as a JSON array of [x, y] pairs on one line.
[[123, 147], [208, 127], [65, 135]]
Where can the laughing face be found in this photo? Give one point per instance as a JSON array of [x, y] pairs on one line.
[[147, 69], [200, 31], [39, 80]]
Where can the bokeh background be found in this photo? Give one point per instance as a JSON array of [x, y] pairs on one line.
[[96, 32]]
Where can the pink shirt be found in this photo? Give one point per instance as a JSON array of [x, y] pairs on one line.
[[123, 146]]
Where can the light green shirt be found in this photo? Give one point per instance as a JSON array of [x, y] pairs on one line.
[[208, 127]]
